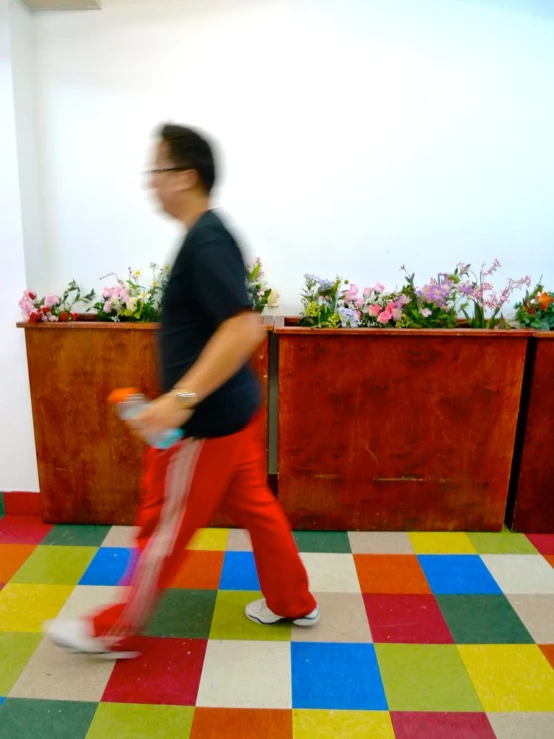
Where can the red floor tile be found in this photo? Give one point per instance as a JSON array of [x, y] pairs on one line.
[[548, 651], [391, 573], [544, 543], [167, 673], [442, 726], [12, 556], [22, 504], [406, 619], [201, 570], [216, 723], [22, 530]]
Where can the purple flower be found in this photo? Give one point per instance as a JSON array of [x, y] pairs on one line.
[[425, 312]]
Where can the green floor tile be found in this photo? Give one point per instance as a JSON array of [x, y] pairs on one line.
[[229, 621], [330, 542], [128, 721], [29, 719], [53, 565], [502, 543], [77, 536], [420, 677], [483, 619], [184, 614], [15, 651]]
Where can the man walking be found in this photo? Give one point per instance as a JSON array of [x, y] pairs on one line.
[[208, 334]]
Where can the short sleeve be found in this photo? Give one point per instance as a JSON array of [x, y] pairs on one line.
[[220, 280]]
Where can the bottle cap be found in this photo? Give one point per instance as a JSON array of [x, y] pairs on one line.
[[121, 395]]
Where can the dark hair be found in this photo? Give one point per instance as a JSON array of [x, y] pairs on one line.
[[190, 150]]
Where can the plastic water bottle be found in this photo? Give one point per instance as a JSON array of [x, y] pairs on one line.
[[129, 403]]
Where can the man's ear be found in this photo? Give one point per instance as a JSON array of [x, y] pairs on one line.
[[186, 180]]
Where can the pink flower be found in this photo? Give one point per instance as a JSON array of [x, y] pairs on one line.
[[26, 307], [379, 288], [359, 303], [107, 293], [51, 300], [107, 307], [367, 292], [385, 316], [425, 312], [29, 294], [375, 310]]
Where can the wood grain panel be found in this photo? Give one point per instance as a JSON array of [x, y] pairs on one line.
[[397, 430], [89, 463]]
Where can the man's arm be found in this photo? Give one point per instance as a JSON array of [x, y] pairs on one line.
[[227, 351]]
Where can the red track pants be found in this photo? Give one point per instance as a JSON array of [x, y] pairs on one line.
[[183, 487]]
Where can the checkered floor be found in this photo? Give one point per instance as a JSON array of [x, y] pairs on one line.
[[423, 636]]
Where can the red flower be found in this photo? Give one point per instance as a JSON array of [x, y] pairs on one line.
[[46, 309], [64, 317], [74, 316], [36, 316], [32, 296]]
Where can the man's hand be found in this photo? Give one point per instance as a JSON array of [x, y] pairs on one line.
[[160, 415]]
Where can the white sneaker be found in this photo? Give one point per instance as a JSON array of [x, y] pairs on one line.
[[75, 635], [261, 614]]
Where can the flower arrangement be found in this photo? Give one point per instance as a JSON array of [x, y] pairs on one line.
[[536, 310], [322, 301], [487, 303], [130, 301], [260, 293], [438, 304], [53, 308], [432, 306]]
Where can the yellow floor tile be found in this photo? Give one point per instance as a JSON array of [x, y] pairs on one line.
[[342, 725], [210, 539], [510, 677], [441, 543], [26, 607]]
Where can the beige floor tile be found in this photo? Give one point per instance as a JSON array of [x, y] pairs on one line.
[[343, 619], [121, 536], [241, 674], [87, 598], [239, 541], [331, 573], [380, 542], [54, 674], [537, 613], [522, 725], [521, 574]]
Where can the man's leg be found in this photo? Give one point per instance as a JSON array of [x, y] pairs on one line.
[[253, 506], [182, 489]]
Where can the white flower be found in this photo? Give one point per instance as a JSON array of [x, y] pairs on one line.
[[273, 299], [131, 304]]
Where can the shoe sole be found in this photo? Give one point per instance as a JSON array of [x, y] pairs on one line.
[[304, 623], [107, 655]]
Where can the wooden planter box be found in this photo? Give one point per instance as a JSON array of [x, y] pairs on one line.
[[534, 493], [397, 429], [89, 464]]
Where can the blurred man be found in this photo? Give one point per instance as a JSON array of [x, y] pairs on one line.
[[208, 334]]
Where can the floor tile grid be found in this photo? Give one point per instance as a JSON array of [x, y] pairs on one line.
[[435, 582]]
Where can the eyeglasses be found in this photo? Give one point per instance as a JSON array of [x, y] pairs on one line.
[[167, 169]]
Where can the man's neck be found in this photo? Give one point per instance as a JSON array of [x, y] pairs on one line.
[[193, 210]]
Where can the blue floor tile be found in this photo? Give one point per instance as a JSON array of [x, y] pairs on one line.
[[458, 574], [336, 677], [239, 572], [108, 567]]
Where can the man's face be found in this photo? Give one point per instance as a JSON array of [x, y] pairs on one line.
[[164, 182]]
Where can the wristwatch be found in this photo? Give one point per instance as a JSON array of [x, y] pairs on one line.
[[186, 399]]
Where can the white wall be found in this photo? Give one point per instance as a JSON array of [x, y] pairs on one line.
[[18, 470], [358, 136]]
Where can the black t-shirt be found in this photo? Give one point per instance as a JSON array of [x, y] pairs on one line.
[[206, 287]]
